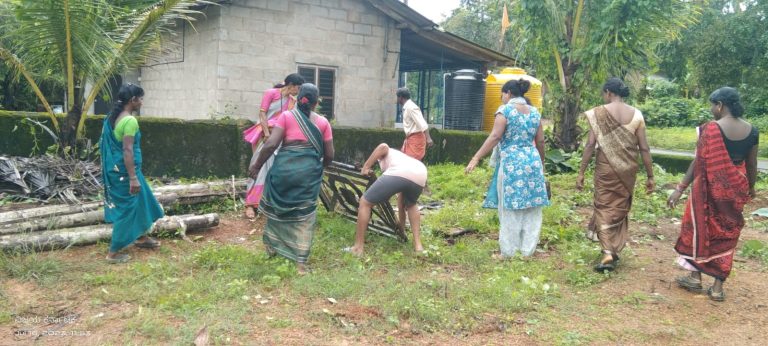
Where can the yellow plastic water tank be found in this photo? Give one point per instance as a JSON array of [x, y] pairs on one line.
[[493, 85]]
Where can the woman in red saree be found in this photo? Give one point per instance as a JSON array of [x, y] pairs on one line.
[[723, 175]]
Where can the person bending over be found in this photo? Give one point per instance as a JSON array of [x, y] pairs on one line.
[[401, 174]]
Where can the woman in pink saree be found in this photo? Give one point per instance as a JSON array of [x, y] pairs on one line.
[[274, 102]]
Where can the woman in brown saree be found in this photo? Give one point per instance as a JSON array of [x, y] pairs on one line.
[[723, 175], [617, 133]]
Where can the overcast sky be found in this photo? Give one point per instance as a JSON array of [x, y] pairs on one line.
[[436, 10]]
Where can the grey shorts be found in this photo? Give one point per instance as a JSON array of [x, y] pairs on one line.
[[387, 186]]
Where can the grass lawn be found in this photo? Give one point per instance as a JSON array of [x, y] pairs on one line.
[[455, 293], [684, 138]]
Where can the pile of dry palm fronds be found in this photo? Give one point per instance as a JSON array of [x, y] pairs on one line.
[[47, 177]]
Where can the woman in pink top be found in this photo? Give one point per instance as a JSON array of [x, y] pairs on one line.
[[274, 102], [293, 183], [402, 175]]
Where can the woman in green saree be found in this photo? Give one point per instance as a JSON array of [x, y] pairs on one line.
[[293, 184], [129, 204]]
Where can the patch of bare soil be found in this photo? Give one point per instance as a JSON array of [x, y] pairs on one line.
[[642, 304]]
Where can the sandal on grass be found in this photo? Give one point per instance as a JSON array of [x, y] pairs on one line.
[[119, 258], [608, 266], [689, 283], [270, 251], [605, 267], [716, 296], [149, 243]]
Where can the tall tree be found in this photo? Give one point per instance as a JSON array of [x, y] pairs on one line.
[[578, 43], [82, 42], [729, 46]]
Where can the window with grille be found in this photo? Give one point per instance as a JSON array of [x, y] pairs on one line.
[[325, 79]]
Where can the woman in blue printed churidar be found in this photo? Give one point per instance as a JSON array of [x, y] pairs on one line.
[[293, 184], [518, 187], [129, 204]]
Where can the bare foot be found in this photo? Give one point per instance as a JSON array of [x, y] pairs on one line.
[[302, 269], [353, 250], [498, 257], [250, 212]]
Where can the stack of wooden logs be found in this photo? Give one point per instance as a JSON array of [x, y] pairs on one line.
[[61, 226]]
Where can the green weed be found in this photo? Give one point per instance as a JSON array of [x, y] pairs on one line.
[[572, 338], [635, 299], [755, 249], [462, 215], [279, 323], [31, 266], [448, 182], [110, 278]]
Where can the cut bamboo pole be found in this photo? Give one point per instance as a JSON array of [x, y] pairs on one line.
[[62, 238]]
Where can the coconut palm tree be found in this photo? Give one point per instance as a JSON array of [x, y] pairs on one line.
[[579, 43], [81, 43]]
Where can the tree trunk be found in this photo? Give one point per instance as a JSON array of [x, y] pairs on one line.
[[214, 187], [189, 222], [68, 137], [62, 238], [566, 129], [69, 129], [8, 92], [93, 217], [16, 216], [50, 212]]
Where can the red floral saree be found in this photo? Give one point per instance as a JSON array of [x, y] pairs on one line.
[[713, 216]]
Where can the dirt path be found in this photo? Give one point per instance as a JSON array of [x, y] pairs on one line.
[[643, 305]]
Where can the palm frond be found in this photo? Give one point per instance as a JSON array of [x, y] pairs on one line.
[[136, 37], [67, 46], [18, 66]]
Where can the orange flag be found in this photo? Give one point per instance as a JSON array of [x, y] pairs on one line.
[[504, 21]]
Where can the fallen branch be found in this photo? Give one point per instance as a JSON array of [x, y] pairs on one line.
[[63, 238]]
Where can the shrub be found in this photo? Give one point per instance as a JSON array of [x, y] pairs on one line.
[[755, 99], [660, 88], [761, 122], [674, 111]]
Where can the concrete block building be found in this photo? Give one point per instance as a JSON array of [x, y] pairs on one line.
[[356, 51]]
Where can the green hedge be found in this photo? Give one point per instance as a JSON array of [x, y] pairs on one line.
[[178, 148], [170, 147], [353, 145]]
